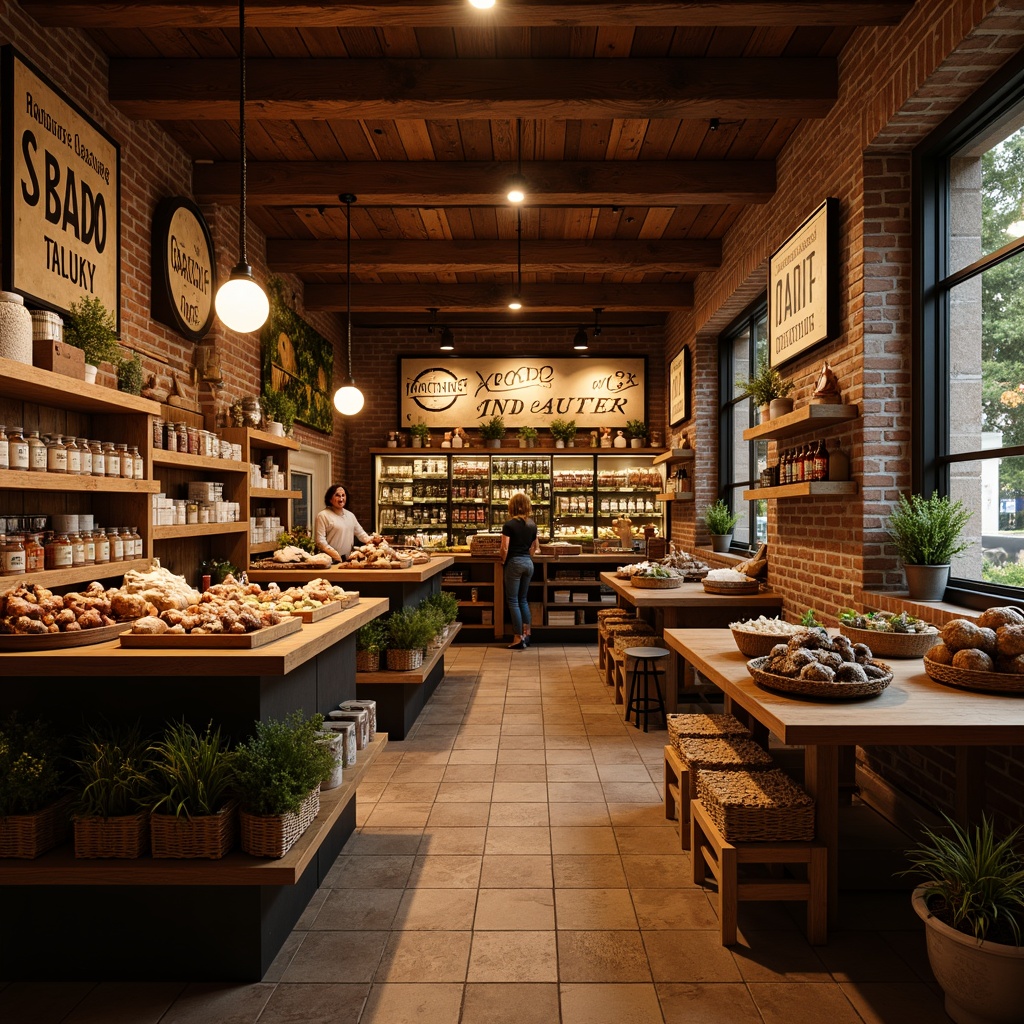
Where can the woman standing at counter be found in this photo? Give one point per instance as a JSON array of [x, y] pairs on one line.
[[518, 546], [336, 529]]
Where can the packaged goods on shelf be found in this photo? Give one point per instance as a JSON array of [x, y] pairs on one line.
[[359, 719], [562, 596], [487, 617], [561, 618], [205, 490], [580, 597]]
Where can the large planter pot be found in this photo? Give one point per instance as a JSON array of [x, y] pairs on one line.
[[926, 582], [492, 442], [721, 541], [779, 407], [983, 981], [765, 412]]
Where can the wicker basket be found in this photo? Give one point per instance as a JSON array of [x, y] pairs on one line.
[[708, 726], [757, 807], [758, 645], [404, 661], [612, 613], [699, 754], [367, 661], [729, 588], [794, 686], [29, 835], [125, 837], [968, 679], [275, 834], [892, 645], [614, 628], [656, 582], [208, 836], [620, 641]]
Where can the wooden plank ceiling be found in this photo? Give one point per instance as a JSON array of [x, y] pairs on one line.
[[646, 128]]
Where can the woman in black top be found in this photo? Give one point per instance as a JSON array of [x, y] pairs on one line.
[[518, 545]]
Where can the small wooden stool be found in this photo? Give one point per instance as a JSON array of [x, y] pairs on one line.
[[731, 803], [645, 672]]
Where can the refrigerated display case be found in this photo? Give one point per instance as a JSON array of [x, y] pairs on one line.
[[470, 496], [412, 498], [530, 474]]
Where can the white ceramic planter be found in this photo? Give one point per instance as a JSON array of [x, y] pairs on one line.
[[636, 442], [90, 373]]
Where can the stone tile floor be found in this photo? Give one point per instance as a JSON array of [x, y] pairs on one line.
[[512, 864]]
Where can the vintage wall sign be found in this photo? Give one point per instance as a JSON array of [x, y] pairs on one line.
[[525, 392], [62, 187], [803, 286], [184, 269], [679, 388]]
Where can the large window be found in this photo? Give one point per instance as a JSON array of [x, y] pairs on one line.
[[970, 429], [740, 350]]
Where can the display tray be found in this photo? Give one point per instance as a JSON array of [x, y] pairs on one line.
[[892, 645], [813, 690], [728, 588], [981, 682], [57, 641], [656, 582], [212, 641], [269, 563], [331, 608]]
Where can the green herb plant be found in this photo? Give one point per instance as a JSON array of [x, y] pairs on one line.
[[492, 429], [563, 430], [719, 519], [129, 375], [419, 429], [111, 778], [281, 763], [189, 773], [976, 881], [410, 630], [809, 619], [765, 385], [446, 602], [636, 428], [90, 326], [372, 637], [527, 433], [31, 766], [299, 537], [278, 406], [926, 531]]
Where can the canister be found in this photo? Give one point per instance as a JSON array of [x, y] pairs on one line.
[[66, 524], [335, 742], [47, 326], [15, 328], [348, 729], [360, 719], [369, 706]]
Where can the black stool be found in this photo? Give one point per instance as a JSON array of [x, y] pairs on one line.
[[645, 661]]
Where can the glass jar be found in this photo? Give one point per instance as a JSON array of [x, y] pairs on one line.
[[58, 553], [192, 433], [136, 542], [192, 513], [35, 557], [89, 541], [137, 459], [36, 453], [116, 544], [158, 432], [127, 544], [12, 555], [5, 458], [56, 455], [85, 456], [127, 463], [17, 449], [77, 549], [182, 438], [99, 459], [74, 456], [102, 546], [112, 460], [170, 437]]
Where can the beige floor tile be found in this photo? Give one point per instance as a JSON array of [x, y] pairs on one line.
[[412, 956], [418, 773], [578, 744], [455, 840], [885, 1002], [658, 871], [373, 842], [458, 814], [623, 773], [684, 909], [776, 957], [358, 910], [520, 773], [610, 1004], [594, 909], [809, 1003], [572, 772], [409, 792], [690, 956], [863, 957], [519, 814], [427, 757], [576, 871], [436, 910], [518, 839], [359, 872], [519, 792], [514, 755], [503, 956], [631, 792], [336, 956], [469, 773], [413, 1004], [475, 743], [585, 839], [315, 1004], [445, 872], [399, 815], [516, 871], [575, 792], [700, 1003], [135, 1002], [215, 1003], [514, 910], [510, 1004], [602, 956], [659, 839], [579, 814], [488, 756], [463, 792]]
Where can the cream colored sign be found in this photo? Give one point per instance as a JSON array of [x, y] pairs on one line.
[[524, 392], [65, 221]]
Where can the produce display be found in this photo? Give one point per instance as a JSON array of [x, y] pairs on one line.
[[766, 626], [884, 622], [376, 556], [675, 563], [31, 609], [995, 643], [292, 555], [811, 654]]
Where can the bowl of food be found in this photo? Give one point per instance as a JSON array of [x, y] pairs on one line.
[[889, 635], [756, 637]]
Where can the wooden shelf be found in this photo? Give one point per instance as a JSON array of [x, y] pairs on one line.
[[417, 675], [197, 530], [674, 455], [60, 867], [810, 489], [268, 545], [20, 480], [248, 438], [805, 420], [476, 604], [82, 574], [180, 460], [32, 384], [675, 496], [269, 492]]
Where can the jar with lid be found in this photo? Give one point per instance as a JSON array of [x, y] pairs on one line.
[[136, 542], [35, 558], [77, 549], [74, 456], [56, 455], [89, 542], [58, 553], [36, 453], [182, 437], [5, 458], [112, 460], [17, 449], [12, 555], [127, 463], [158, 432], [127, 544], [99, 459], [137, 459], [192, 513], [192, 433], [170, 437], [102, 546], [116, 544], [85, 457]]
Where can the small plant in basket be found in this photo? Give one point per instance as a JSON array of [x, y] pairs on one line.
[[446, 602], [409, 632], [371, 639], [563, 431]]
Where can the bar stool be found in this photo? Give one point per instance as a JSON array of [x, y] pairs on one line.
[[645, 671]]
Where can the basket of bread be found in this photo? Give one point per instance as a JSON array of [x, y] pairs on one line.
[[376, 556], [985, 655], [889, 635]]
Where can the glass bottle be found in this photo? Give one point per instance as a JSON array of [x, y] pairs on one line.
[[17, 449], [127, 463], [99, 459], [13, 555], [5, 459], [77, 549], [136, 542], [127, 544], [89, 542], [116, 544], [102, 546], [820, 462], [137, 459], [58, 553], [74, 454], [36, 453], [112, 460], [35, 558], [56, 455], [85, 457]]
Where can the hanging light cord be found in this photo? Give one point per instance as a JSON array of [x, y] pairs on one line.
[[519, 253], [519, 148], [241, 131], [348, 283]]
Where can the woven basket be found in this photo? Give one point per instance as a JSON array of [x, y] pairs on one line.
[[757, 645], [367, 661], [656, 582], [29, 835], [629, 626], [275, 834], [208, 836], [732, 754], [815, 689], [967, 679], [728, 588], [404, 661], [612, 613], [620, 641], [604, 625], [709, 726], [126, 836], [757, 807], [892, 645]]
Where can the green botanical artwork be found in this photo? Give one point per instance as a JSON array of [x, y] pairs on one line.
[[298, 361]]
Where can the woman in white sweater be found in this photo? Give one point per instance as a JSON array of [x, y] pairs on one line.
[[336, 529]]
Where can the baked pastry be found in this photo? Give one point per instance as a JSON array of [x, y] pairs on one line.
[[940, 654], [1010, 640], [851, 672], [960, 634], [817, 672], [993, 618], [973, 659]]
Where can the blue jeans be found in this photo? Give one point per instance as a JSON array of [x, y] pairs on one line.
[[518, 573]]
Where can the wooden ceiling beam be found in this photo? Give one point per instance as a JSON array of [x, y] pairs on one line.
[[387, 256], [149, 14], [448, 183], [318, 89], [492, 298]]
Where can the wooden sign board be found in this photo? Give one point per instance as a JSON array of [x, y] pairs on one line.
[[62, 205], [679, 388], [183, 268]]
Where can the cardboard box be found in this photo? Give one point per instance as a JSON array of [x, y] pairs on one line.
[[59, 357]]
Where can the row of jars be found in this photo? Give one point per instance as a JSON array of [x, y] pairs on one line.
[[174, 436], [22, 553], [60, 453]]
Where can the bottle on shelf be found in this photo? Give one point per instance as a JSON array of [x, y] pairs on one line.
[[77, 549], [85, 456], [56, 455], [838, 464], [37, 458], [5, 459], [17, 449], [74, 456], [821, 461], [99, 459], [116, 544], [58, 553], [102, 545], [13, 555], [112, 460]]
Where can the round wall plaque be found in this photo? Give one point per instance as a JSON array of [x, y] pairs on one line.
[[184, 268]]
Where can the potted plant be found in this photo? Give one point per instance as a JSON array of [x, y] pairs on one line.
[[90, 326], [110, 815], [409, 632], [637, 431], [279, 410], [492, 431], [446, 603], [972, 905], [769, 391], [129, 375], [420, 432], [720, 520], [34, 803], [527, 437], [278, 772], [926, 532], [563, 431], [191, 785], [371, 639]]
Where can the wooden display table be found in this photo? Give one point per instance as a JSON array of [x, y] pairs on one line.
[[912, 711]]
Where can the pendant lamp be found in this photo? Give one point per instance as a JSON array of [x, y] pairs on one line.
[[348, 400], [517, 184], [447, 340], [241, 303], [580, 342], [516, 302]]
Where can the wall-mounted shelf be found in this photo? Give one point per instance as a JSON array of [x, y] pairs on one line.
[[50, 578], [181, 460], [810, 489], [675, 496], [269, 492], [805, 420], [673, 455], [200, 530], [20, 480], [32, 384]]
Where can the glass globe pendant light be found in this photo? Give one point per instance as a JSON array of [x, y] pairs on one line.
[[348, 400], [241, 303]]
